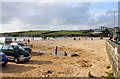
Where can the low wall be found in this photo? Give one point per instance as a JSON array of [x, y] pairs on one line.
[[113, 51]]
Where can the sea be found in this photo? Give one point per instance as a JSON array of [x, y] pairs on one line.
[[40, 38], [26, 38]]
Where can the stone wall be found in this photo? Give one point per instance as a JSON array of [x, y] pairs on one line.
[[113, 51]]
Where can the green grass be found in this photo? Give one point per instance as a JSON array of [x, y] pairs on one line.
[[66, 33], [35, 32], [110, 75], [51, 33]]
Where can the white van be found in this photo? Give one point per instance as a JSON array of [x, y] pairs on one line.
[[5, 40]]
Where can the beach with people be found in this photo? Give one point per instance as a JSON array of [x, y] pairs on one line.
[[80, 57]]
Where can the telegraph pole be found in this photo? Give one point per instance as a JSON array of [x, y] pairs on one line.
[[119, 14], [114, 20]]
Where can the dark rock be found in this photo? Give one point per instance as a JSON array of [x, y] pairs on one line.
[[90, 75], [74, 55], [108, 67], [50, 72]]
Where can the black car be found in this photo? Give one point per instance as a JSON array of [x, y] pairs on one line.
[[26, 47], [16, 53], [8, 40]]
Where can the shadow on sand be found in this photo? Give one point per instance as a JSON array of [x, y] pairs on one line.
[[39, 62], [15, 68], [23, 66]]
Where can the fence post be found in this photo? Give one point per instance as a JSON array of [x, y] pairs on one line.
[[56, 50]]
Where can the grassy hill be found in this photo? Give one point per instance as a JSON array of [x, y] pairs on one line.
[[65, 33], [49, 33]]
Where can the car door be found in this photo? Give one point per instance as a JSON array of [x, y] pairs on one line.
[[10, 52], [5, 49]]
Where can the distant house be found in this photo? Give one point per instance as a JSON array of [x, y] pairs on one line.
[[116, 29], [97, 31], [103, 28], [110, 29]]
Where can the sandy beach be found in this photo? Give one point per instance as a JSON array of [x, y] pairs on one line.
[[92, 59]]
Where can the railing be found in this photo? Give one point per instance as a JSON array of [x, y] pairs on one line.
[[113, 51]]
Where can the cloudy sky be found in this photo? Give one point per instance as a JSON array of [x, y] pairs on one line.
[[68, 15]]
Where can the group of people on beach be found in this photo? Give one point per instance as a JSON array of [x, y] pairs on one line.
[[24, 40], [28, 40], [115, 39]]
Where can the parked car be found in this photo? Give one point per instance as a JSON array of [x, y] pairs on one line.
[[25, 46], [16, 53], [3, 58], [1, 46], [6, 40]]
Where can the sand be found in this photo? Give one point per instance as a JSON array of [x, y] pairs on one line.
[[92, 58]]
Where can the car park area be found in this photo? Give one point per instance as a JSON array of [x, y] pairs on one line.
[[44, 63]]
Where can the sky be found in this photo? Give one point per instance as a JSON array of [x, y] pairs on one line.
[[56, 15]]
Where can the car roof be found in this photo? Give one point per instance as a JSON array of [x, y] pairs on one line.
[[13, 43]]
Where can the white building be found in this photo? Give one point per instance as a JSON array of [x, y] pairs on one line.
[[97, 31]]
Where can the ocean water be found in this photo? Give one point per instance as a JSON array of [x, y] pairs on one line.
[[40, 38], [26, 38]]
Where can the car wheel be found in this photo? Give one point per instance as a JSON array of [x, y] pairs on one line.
[[16, 60], [4, 63]]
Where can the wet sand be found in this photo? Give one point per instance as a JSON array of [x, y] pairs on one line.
[[92, 58]]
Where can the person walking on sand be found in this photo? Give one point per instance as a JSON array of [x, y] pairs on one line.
[[28, 41], [114, 38], [15, 39]]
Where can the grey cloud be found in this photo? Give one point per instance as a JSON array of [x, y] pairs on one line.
[[36, 15], [107, 18], [0, 13]]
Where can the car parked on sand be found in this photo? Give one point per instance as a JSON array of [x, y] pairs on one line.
[[24, 45], [16, 53], [5, 40], [3, 58], [1, 46]]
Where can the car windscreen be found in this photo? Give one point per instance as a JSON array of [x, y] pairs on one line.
[[20, 44], [21, 48], [18, 47]]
